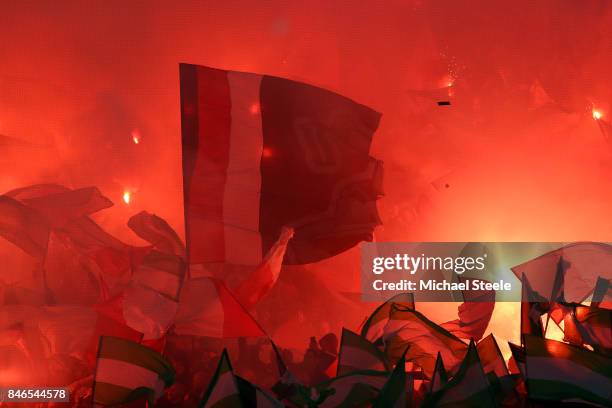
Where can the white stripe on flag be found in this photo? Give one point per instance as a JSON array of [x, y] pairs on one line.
[[564, 371], [241, 197], [126, 375]]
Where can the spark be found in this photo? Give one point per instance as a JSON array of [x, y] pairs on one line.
[[135, 136], [127, 196], [597, 115]]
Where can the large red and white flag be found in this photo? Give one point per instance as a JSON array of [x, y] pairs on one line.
[[261, 153]]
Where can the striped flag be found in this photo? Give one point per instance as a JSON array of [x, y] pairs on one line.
[[394, 393], [126, 371], [161, 272], [491, 356], [373, 328], [557, 371], [357, 353], [410, 328], [157, 232], [207, 308], [223, 389], [261, 153], [229, 390], [439, 377], [468, 388], [585, 263]]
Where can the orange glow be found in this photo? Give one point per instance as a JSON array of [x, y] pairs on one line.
[[596, 114], [127, 197], [135, 136], [254, 109]]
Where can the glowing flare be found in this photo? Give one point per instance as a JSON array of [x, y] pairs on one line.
[[266, 152], [596, 114], [135, 136], [127, 196]]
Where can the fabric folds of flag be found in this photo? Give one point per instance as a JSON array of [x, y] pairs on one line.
[[59, 205], [261, 153], [359, 388], [373, 328], [394, 393], [264, 277], [590, 325], [357, 353], [586, 262], [518, 357], [229, 390], [410, 328], [491, 357], [468, 388], [474, 314], [126, 371], [207, 308], [157, 232], [557, 371], [223, 389], [602, 294], [532, 311], [439, 377], [24, 227], [161, 272]]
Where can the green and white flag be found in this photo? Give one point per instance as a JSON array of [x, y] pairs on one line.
[[468, 388], [557, 371], [357, 353], [127, 371]]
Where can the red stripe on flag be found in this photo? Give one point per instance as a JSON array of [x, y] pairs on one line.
[[206, 167]]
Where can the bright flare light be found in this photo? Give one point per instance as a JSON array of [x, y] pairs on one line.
[[135, 136], [127, 196], [596, 114]]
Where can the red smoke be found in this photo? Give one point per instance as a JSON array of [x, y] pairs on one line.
[[517, 156]]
